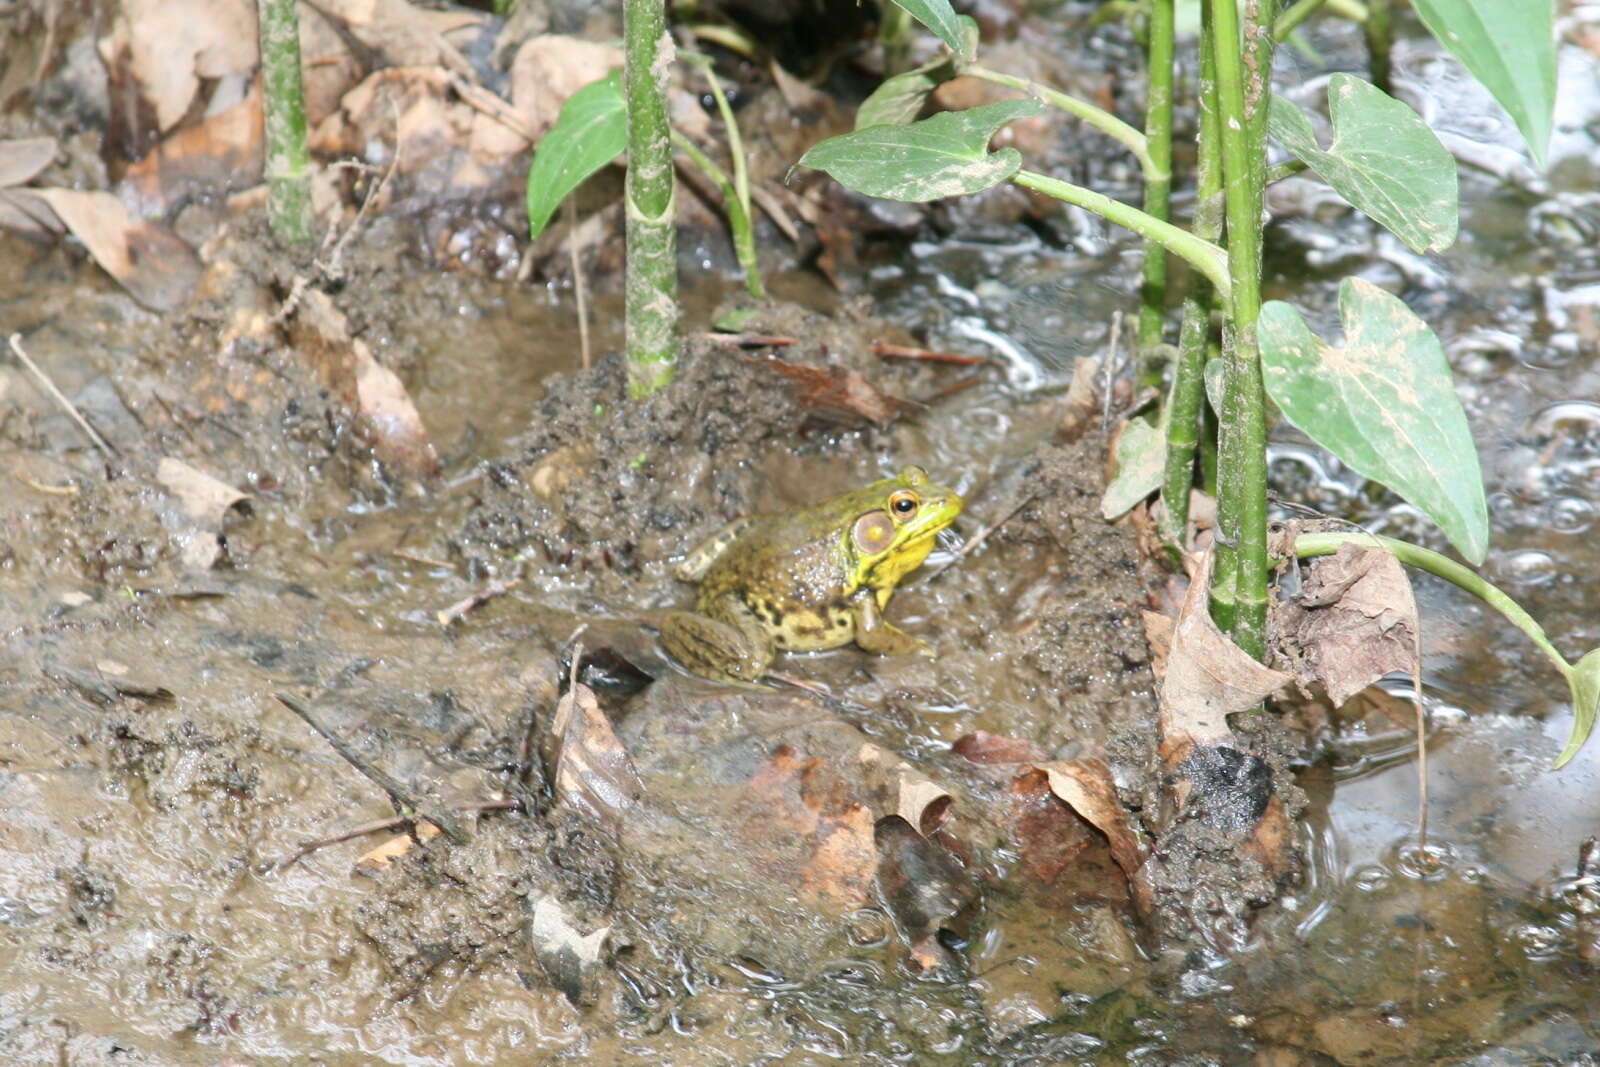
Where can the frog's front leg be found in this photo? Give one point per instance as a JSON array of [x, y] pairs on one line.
[[730, 646], [877, 634]]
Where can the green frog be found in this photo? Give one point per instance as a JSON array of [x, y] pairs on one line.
[[819, 577]]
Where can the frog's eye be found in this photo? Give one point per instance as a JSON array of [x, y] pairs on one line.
[[904, 504], [873, 533]]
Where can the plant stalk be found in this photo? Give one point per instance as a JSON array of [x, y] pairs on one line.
[[1187, 397], [1158, 184], [1207, 258], [1100, 119], [1377, 31], [1242, 507], [741, 220], [288, 160], [650, 287]]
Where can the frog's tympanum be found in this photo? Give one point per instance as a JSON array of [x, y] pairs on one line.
[[807, 580]]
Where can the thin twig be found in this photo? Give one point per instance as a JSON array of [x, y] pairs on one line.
[[53, 490], [60, 398], [982, 535], [885, 350], [404, 800], [749, 340], [1111, 371], [579, 289], [377, 826], [482, 596]]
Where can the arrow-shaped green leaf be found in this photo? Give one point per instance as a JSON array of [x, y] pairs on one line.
[[1584, 681], [1383, 159], [946, 155], [1384, 403], [941, 18]]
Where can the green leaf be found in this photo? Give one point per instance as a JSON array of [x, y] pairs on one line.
[[941, 18], [1140, 460], [1584, 681], [1509, 46], [1384, 403], [946, 155], [1383, 159], [900, 98], [590, 132]]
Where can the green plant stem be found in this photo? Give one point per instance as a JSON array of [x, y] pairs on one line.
[[1308, 545], [894, 35], [1300, 10], [288, 160], [1100, 119], [1242, 507], [1187, 396], [1377, 32], [650, 286], [737, 193], [744, 239], [1157, 189], [1207, 258]]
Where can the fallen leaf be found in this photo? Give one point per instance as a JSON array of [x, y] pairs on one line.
[[981, 746], [1208, 677], [594, 774], [1158, 629], [570, 959], [22, 159], [202, 501], [551, 67], [1086, 785], [383, 856], [160, 50], [156, 267], [1049, 835], [803, 798], [926, 888], [1081, 408], [1353, 621], [835, 393], [405, 34], [901, 791], [220, 153], [375, 393]]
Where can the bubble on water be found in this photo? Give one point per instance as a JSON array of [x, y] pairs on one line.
[[1432, 863], [1536, 940], [1371, 878], [1528, 567], [1570, 515]]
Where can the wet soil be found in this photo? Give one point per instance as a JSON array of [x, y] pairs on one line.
[[764, 899]]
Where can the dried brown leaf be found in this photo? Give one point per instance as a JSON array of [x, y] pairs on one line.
[[22, 159], [1208, 678], [981, 746], [221, 152], [549, 69], [570, 959], [1049, 835], [166, 47], [926, 888], [149, 260], [898, 789], [1081, 408], [1087, 786], [594, 774], [383, 856], [835, 392], [1353, 621]]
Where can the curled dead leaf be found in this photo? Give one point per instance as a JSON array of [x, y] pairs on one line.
[[928, 890], [1087, 786], [203, 501], [383, 856], [1208, 677], [1353, 621], [898, 789], [594, 775], [570, 959]]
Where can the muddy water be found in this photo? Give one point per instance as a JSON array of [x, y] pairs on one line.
[[143, 917]]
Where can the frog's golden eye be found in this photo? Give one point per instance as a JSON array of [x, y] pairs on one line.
[[904, 504], [873, 533]]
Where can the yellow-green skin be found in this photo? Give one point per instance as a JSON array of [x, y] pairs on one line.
[[807, 580]]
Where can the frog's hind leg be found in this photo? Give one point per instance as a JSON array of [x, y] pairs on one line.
[[698, 562], [732, 648]]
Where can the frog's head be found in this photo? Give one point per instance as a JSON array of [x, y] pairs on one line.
[[894, 526]]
